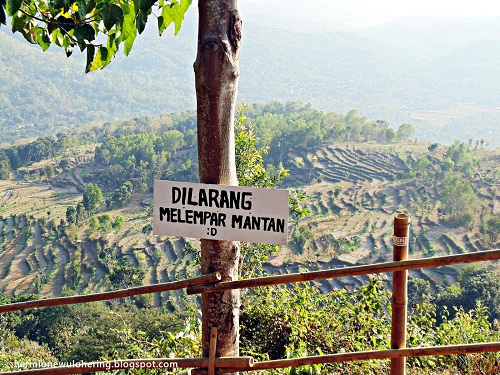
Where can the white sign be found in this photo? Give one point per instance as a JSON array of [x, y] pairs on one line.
[[220, 212]]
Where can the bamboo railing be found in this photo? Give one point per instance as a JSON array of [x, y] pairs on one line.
[[379, 354], [349, 271], [105, 296]]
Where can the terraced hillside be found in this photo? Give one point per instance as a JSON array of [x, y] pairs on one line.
[[356, 191], [41, 253]]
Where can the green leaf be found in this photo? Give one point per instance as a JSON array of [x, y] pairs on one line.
[[69, 50], [146, 5], [164, 20], [185, 4], [66, 24], [100, 59], [3, 16], [136, 5], [111, 15], [58, 4], [181, 11], [18, 23], [57, 37], [82, 5], [25, 25], [112, 47], [129, 29], [90, 57], [68, 46], [51, 26], [42, 38], [173, 13], [141, 20], [84, 33], [13, 6]]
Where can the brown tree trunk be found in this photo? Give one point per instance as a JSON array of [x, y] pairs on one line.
[[216, 75]]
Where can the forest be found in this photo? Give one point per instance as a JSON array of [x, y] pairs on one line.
[[75, 219]]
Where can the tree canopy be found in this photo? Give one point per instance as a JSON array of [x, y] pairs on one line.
[[92, 196], [96, 26], [458, 199]]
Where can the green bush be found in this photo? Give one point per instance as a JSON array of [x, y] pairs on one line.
[[280, 322]]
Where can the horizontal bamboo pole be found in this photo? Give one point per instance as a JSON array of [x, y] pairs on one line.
[[131, 364], [350, 271], [379, 354], [71, 300]]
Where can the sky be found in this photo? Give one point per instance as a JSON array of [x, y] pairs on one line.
[[400, 8], [370, 12]]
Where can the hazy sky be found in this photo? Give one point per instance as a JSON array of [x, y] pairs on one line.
[[398, 8], [377, 11]]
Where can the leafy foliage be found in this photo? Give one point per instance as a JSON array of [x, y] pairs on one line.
[[82, 23], [131, 162], [251, 171], [92, 197], [281, 320], [492, 229], [458, 199], [296, 321], [92, 331]]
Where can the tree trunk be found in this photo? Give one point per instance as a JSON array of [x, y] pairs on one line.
[[216, 76]]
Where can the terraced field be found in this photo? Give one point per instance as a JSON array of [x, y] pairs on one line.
[[357, 190]]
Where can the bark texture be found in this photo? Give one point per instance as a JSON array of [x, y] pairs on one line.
[[216, 76]]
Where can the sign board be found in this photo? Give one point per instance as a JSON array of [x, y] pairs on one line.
[[219, 212]]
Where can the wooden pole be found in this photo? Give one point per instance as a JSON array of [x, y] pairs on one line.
[[71, 300], [350, 271], [399, 292]]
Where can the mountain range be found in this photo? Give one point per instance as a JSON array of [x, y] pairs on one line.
[[392, 72]]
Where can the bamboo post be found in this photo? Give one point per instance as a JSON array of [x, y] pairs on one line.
[[213, 348], [399, 292]]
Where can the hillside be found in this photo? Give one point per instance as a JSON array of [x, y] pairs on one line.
[[354, 190], [390, 72]]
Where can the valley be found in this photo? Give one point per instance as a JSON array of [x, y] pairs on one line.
[[354, 190]]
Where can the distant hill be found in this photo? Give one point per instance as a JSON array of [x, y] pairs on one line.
[[387, 72]]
